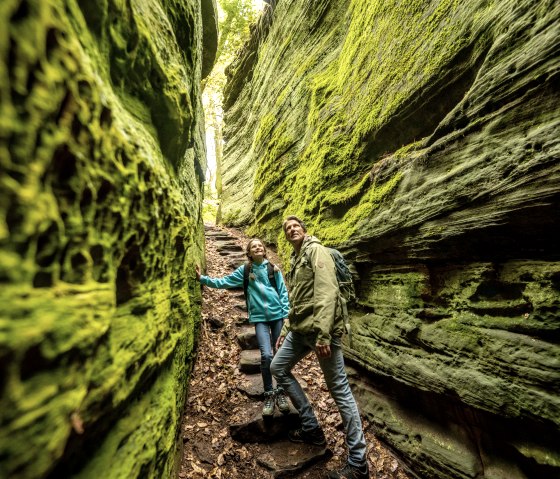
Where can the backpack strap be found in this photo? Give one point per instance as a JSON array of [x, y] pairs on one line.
[[343, 302], [271, 278], [246, 273]]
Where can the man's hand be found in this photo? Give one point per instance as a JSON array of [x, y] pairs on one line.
[[279, 342], [323, 350], [197, 272]]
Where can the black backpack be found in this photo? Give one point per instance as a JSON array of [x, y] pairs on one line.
[[346, 287], [343, 276], [248, 270]]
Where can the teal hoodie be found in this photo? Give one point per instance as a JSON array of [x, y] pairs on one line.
[[265, 303]]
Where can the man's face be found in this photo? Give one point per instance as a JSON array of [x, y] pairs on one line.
[[294, 232]]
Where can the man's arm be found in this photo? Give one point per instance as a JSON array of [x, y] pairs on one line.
[[325, 295]]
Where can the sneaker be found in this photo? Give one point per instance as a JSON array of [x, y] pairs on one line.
[[315, 436], [269, 403], [282, 401], [351, 472]]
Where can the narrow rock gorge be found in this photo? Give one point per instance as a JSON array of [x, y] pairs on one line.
[[102, 161], [422, 139]]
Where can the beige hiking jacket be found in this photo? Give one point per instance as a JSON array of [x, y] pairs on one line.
[[315, 307]]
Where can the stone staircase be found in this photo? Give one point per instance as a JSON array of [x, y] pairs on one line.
[[280, 456]]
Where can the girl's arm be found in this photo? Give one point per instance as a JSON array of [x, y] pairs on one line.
[[233, 280]]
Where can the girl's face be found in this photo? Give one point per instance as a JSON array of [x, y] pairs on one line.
[[256, 251]]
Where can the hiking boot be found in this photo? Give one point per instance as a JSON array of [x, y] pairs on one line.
[[315, 436], [282, 401], [269, 403], [351, 472]]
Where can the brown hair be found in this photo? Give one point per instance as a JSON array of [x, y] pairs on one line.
[[294, 218]]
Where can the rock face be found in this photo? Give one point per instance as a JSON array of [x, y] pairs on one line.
[[421, 138], [101, 167]]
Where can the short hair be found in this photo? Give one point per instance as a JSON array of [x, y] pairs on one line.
[[294, 218], [248, 247]]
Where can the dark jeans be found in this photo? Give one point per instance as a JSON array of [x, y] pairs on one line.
[[293, 350], [267, 333]]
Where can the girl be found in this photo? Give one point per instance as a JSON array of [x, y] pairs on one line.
[[267, 304]]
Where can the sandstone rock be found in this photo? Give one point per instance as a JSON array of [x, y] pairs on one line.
[[227, 247], [259, 430], [247, 338], [102, 165], [250, 361], [423, 142], [241, 307], [286, 459], [215, 323], [252, 386]]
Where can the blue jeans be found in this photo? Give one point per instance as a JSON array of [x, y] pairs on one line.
[[294, 349], [267, 333]]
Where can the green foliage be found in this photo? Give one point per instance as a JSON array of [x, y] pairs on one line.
[[234, 26], [235, 18]]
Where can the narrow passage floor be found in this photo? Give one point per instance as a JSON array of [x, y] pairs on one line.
[[224, 434]]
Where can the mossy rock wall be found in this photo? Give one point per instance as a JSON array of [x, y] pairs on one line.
[[101, 170], [421, 138]]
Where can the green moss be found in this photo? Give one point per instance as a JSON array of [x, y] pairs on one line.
[[265, 127], [100, 310], [270, 172], [374, 67]]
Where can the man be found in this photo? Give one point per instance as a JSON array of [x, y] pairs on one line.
[[316, 323]]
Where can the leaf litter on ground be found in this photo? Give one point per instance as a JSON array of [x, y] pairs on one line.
[[214, 401]]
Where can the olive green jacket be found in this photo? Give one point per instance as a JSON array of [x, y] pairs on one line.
[[315, 305]]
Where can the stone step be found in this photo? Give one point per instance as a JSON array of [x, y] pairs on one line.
[[239, 294], [226, 247], [259, 430], [234, 255], [280, 456], [236, 258], [218, 235], [286, 459], [246, 338], [250, 361], [252, 386], [236, 263]]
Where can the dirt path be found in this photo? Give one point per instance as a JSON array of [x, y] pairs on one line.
[[220, 396]]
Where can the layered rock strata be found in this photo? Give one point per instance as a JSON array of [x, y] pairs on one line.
[[101, 170], [422, 139]]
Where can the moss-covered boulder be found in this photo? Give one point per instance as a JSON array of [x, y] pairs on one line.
[[101, 171], [421, 138]]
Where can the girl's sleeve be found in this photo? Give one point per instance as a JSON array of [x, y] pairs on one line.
[[283, 293], [233, 280]]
